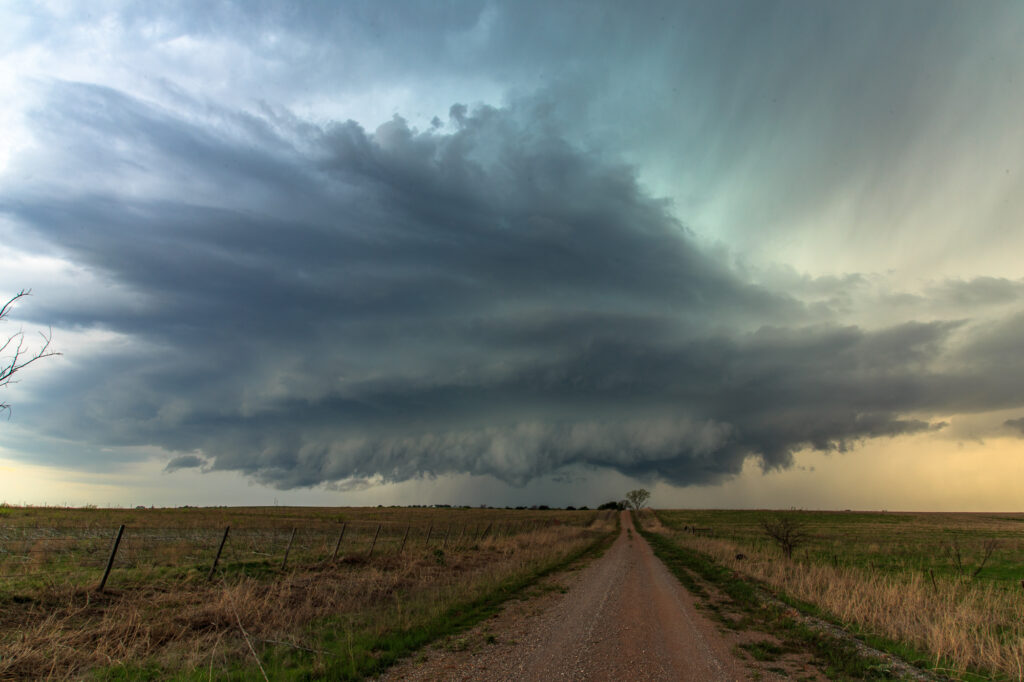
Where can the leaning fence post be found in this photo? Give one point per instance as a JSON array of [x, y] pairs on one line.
[[404, 538], [485, 531], [429, 529], [284, 562], [374, 543], [110, 561], [219, 550], [447, 530], [337, 545]]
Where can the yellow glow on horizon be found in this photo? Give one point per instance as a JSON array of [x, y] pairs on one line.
[[926, 472]]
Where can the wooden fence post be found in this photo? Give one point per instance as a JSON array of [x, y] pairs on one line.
[[374, 543], [427, 541], [284, 562], [447, 530], [404, 538], [110, 561], [219, 550], [337, 545], [485, 531]]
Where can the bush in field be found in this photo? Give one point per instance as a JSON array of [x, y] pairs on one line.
[[612, 505], [788, 532], [953, 551]]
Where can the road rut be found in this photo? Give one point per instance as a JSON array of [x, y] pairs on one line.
[[625, 617]]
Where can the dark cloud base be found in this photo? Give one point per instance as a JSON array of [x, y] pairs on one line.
[[323, 303]]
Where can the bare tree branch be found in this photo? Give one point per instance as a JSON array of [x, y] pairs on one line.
[[19, 355], [990, 546]]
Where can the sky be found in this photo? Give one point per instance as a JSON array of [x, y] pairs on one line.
[[743, 254]]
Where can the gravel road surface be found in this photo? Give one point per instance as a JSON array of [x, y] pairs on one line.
[[624, 617]]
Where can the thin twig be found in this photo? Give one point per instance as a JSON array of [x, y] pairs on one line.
[[212, 654], [295, 646], [247, 641]]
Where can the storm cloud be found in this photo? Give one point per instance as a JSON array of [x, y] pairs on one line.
[[320, 303]]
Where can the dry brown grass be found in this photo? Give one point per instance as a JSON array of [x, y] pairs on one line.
[[975, 624], [61, 631]]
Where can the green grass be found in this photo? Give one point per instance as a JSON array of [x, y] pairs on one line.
[[763, 651]]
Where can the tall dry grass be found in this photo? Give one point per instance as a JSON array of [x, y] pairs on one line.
[[974, 624], [61, 631]]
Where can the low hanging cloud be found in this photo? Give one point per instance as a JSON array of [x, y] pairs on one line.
[[315, 304], [184, 462]]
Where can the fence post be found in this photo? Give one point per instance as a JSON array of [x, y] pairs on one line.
[[485, 532], [447, 530], [110, 561], [219, 550], [337, 545], [427, 541], [404, 538], [374, 543], [284, 562]]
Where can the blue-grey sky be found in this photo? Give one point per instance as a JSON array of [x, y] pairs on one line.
[[497, 252]]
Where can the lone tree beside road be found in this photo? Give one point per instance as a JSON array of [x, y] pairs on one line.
[[637, 498], [15, 354]]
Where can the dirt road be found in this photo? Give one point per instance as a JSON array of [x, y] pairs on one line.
[[624, 617]]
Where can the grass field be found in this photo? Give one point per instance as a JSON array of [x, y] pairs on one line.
[[913, 582], [340, 615]]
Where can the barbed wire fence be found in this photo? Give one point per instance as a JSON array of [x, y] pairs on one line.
[[87, 555]]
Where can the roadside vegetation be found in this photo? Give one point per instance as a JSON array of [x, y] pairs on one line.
[[940, 590], [336, 610]]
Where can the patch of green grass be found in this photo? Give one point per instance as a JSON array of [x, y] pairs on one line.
[[763, 650]]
